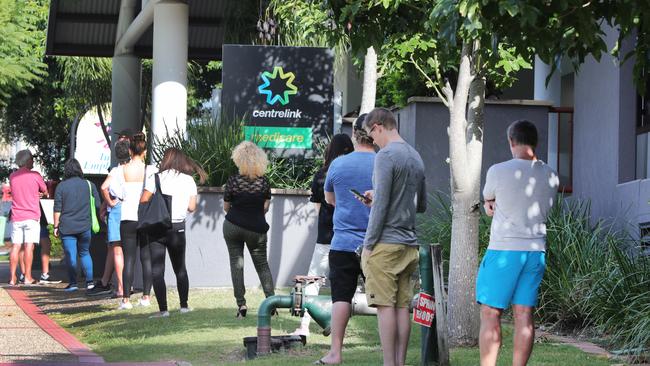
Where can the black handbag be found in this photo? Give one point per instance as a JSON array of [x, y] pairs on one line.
[[154, 216]]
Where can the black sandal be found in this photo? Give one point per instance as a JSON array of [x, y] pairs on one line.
[[241, 312]]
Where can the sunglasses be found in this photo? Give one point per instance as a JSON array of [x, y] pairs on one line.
[[368, 132]]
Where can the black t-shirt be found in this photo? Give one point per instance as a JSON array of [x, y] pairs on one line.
[[247, 197], [326, 211]]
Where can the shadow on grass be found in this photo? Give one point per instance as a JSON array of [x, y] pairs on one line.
[[212, 335]]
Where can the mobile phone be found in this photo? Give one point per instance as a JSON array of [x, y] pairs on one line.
[[360, 196]]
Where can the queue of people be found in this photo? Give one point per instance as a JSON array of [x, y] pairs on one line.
[[366, 198]]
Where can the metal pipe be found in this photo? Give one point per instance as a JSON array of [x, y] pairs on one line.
[[360, 305], [264, 320], [73, 132], [320, 309], [136, 28], [428, 342]]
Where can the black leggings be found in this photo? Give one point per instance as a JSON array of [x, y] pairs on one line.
[[131, 241], [174, 243]]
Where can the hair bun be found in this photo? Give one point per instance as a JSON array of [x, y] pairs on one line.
[[139, 136]]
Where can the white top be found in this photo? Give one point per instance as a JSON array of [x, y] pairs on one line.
[[524, 192], [112, 174], [178, 185], [128, 192]]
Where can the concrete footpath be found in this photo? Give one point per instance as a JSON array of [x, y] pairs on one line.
[[28, 336]]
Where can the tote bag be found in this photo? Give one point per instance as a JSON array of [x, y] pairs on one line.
[[154, 216], [93, 211]]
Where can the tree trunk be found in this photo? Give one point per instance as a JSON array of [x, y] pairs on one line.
[[465, 153], [369, 93], [103, 124]]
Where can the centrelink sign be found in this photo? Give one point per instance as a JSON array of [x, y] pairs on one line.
[[285, 94]]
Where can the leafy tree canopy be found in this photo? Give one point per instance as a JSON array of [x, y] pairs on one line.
[[428, 34], [21, 44]]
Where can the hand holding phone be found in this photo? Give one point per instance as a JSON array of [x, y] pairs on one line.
[[361, 197]]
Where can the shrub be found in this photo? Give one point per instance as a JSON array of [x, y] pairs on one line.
[[210, 144], [56, 246], [577, 257], [435, 225], [591, 280], [621, 303]]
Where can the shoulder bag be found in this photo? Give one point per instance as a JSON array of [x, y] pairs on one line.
[[154, 216]]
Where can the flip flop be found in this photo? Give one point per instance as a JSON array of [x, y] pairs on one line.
[[321, 362]]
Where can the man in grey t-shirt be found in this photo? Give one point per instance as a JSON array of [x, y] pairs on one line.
[[519, 194], [390, 253]]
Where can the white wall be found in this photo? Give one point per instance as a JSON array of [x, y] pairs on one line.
[[291, 241], [596, 131]]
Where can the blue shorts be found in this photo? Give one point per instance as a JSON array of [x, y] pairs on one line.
[[113, 224], [510, 277]]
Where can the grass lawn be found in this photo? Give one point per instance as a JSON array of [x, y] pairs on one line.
[[212, 335]]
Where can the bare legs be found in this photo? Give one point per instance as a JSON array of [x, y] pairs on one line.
[[524, 334], [14, 258], [114, 260], [340, 316], [490, 335], [394, 332]]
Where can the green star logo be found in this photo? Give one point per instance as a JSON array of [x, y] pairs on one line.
[[290, 88]]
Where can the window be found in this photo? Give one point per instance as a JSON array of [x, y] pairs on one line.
[[644, 241], [643, 134]]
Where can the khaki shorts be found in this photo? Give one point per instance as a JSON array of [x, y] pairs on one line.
[[388, 269], [28, 231]]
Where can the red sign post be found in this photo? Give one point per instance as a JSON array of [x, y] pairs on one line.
[[425, 310]]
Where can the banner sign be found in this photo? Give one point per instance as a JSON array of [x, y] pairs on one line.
[[425, 310], [284, 94], [92, 151]]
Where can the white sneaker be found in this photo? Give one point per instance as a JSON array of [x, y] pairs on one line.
[[145, 302], [125, 306], [186, 310], [162, 314]]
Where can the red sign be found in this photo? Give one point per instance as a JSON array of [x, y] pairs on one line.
[[425, 310]]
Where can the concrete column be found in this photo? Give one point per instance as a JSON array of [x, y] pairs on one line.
[[125, 93], [170, 42], [552, 93]]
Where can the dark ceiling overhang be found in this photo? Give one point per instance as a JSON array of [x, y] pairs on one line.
[[88, 28]]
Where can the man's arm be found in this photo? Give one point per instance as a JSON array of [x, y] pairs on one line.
[[489, 191], [328, 187], [382, 184], [42, 187], [330, 198]]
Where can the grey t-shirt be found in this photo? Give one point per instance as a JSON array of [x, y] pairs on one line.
[[399, 192], [524, 192]]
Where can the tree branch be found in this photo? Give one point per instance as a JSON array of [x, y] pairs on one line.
[[441, 95], [448, 90]]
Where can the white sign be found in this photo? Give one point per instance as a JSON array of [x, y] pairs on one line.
[[92, 151]]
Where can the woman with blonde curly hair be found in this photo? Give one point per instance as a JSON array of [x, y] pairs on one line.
[[246, 199]]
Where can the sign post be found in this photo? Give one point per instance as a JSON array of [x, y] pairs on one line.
[[425, 310], [284, 95]]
